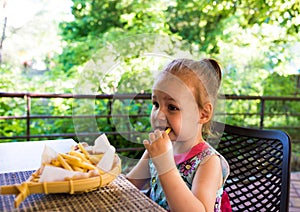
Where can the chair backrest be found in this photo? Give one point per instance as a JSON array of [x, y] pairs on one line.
[[259, 163]]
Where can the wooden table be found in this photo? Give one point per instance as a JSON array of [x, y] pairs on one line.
[[16, 166]]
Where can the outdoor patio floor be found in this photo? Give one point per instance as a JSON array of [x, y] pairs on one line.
[[295, 192]]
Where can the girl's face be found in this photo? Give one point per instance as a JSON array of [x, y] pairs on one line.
[[174, 106]]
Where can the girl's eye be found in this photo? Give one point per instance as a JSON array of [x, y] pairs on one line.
[[155, 105], [172, 107]]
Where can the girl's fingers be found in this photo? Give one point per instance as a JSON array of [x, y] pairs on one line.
[[157, 134], [146, 143], [164, 134], [152, 137]]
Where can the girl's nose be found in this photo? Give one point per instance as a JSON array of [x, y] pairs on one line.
[[161, 115]]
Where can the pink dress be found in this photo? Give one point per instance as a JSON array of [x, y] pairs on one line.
[[187, 164]]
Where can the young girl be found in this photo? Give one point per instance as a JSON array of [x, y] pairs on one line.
[[185, 172]]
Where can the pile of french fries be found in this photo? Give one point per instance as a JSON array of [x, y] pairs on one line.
[[79, 170], [78, 159]]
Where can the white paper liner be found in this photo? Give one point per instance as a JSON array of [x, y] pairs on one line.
[[101, 146]]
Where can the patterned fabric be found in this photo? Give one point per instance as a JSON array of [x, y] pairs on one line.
[[187, 165]]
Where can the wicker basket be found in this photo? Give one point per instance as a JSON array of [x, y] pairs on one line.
[[68, 186]]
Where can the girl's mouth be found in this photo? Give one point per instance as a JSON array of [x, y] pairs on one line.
[[168, 130]]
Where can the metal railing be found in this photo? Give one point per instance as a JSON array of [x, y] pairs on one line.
[[260, 103]]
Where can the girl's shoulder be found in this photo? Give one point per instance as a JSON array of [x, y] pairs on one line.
[[199, 154], [200, 150]]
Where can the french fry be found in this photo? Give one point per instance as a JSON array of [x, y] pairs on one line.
[[78, 169], [95, 158], [82, 149], [168, 130], [35, 175], [76, 163], [80, 155], [84, 165], [88, 166], [35, 180], [71, 158], [64, 163], [55, 162]]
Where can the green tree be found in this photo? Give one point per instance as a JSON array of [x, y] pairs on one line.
[[202, 23], [98, 23]]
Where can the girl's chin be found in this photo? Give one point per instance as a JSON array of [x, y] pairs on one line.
[[183, 138], [173, 138]]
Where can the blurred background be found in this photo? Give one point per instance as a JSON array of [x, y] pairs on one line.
[[49, 48]]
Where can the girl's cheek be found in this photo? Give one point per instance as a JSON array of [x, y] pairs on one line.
[[176, 128], [152, 120], [187, 130]]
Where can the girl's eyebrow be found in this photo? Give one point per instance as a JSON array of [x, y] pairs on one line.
[[168, 98]]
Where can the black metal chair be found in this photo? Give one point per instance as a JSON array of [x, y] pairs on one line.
[[259, 163]]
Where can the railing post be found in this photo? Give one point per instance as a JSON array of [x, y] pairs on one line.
[[110, 116], [262, 113], [28, 103]]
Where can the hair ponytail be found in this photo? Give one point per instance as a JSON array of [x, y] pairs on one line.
[[217, 68], [213, 64]]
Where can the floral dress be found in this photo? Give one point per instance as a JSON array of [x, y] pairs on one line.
[[187, 164]]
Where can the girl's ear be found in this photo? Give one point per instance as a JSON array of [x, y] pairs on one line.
[[206, 113]]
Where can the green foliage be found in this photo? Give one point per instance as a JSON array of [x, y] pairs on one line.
[[201, 23], [277, 85], [103, 51], [250, 38], [98, 23], [283, 111]]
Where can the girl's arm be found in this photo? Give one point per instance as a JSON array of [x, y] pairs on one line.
[[207, 180], [202, 196], [140, 174]]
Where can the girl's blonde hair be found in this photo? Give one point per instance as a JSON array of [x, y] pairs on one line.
[[204, 76]]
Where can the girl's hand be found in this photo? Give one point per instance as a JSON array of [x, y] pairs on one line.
[[160, 150], [159, 143]]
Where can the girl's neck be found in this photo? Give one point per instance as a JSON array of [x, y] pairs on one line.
[[180, 147]]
